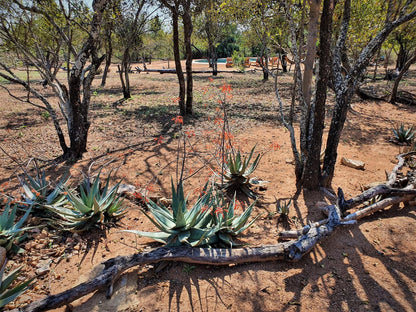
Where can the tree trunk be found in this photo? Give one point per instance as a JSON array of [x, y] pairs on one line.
[[124, 74], [213, 59], [403, 55], [312, 170], [399, 78], [305, 89], [309, 62], [178, 66], [187, 21], [78, 123], [108, 55], [345, 87], [376, 65]]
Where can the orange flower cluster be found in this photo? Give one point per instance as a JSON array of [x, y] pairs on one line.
[[190, 133], [226, 88], [275, 145], [178, 120], [140, 197], [159, 140]]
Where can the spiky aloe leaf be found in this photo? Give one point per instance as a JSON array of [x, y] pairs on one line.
[[178, 205], [7, 296], [160, 237], [162, 223]]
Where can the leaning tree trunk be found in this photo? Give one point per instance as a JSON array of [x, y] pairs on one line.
[[178, 66], [345, 87], [402, 57], [399, 78], [187, 21]]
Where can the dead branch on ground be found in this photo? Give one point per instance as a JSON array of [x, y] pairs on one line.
[[305, 239]]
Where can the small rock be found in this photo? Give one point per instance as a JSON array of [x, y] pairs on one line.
[[43, 234], [356, 164], [24, 298], [290, 161], [126, 188], [165, 201], [44, 267], [40, 246]]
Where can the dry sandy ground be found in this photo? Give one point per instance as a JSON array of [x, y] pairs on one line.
[[369, 266]]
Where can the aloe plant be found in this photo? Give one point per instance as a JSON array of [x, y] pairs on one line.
[[237, 171], [283, 208], [403, 134], [227, 224], [180, 226], [91, 207], [7, 293], [12, 233], [38, 192], [206, 223]]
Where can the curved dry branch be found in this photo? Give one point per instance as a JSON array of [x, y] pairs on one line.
[[306, 239]]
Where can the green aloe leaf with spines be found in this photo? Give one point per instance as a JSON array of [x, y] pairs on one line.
[[92, 207], [237, 171], [203, 224]]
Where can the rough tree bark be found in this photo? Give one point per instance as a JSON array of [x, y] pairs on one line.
[[345, 79], [404, 70], [187, 23], [79, 107], [108, 56], [182, 8], [74, 99], [312, 170], [345, 86]]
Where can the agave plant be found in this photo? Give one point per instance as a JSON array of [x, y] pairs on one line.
[[227, 224], [236, 173], [91, 207], [7, 293], [12, 233], [181, 226], [283, 208], [403, 134], [38, 192], [206, 223]]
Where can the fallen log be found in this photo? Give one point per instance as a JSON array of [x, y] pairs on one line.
[[306, 239], [113, 268]]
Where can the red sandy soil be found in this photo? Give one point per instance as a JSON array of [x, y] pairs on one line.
[[369, 266]]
